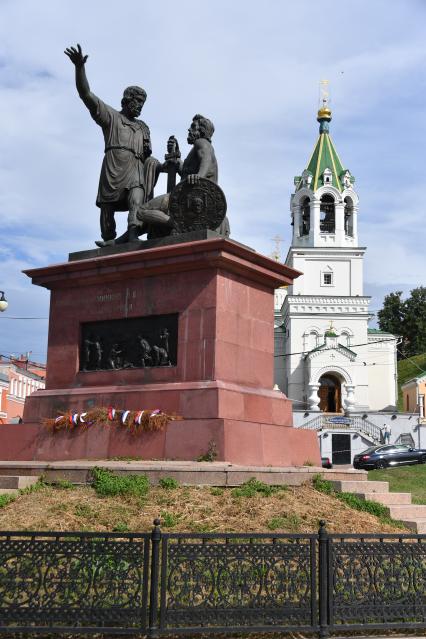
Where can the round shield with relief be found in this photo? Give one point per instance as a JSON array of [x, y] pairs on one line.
[[194, 207]]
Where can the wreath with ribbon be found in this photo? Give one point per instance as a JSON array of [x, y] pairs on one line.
[[135, 421]]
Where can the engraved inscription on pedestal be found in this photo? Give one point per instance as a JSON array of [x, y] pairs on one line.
[[139, 342]]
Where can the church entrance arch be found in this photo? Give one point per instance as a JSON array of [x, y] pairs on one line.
[[330, 393]]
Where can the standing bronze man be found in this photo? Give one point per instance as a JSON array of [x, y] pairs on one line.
[[128, 171]]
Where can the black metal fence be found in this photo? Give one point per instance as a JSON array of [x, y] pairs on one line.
[[162, 584]]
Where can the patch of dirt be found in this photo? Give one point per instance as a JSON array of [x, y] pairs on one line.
[[191, 509]]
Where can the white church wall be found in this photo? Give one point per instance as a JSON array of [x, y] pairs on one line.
[[346, 270], [313, 271], [357, 443], [380, 360], [305, 329], [400, 423]]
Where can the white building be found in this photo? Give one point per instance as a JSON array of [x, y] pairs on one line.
[[327, 359]]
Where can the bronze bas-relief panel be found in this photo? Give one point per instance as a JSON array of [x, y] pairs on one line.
[[139, 342]]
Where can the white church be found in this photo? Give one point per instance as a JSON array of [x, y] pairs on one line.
[[327, 359]]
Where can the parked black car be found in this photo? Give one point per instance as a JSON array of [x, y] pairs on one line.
[[326, 462], [389, 455]]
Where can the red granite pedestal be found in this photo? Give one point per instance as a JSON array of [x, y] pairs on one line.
[[222, 384]]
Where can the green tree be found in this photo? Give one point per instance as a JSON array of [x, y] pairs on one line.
[[415, 321], [406, 318], [391, 316]]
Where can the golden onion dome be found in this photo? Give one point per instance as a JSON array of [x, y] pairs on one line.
[[324, 113]]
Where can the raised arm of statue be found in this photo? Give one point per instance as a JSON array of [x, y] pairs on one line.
[[79, 60]]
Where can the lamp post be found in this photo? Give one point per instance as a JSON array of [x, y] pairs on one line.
[[3, 302]]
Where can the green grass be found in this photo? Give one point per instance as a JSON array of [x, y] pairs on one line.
[[6, 499], [168, 520], [357, 503], [168, 483], [106, 484], [291, 522], [63, 484], [405, 479], [217, 492], [254, 487], [407, 369]]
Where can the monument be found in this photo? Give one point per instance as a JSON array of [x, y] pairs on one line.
[[181, 322]]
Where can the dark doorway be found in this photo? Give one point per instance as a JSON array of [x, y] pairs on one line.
[[330, 394], [341, 448]]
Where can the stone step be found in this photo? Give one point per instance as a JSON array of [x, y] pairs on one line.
[[17, 481], [9, 491], [416, 525], [387, 499], [361, 486], [406, 513]]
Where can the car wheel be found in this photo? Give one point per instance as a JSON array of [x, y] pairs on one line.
[[381, 464], [422, 459]]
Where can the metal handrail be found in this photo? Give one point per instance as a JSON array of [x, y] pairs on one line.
[[320, 422]]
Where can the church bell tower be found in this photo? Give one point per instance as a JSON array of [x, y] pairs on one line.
[[325, 313]]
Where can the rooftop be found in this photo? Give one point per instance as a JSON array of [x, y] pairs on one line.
[[324, 156]]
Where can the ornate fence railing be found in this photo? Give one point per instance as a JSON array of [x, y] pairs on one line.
[[168, 584], [377, 583], [71, 582], [239, 582]]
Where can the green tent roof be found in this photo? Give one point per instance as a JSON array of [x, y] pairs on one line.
[[324, 156]]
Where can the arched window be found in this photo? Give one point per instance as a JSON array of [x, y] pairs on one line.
[[327, 214], [345, 338], [305, 216], [311, 340], [349, 217]]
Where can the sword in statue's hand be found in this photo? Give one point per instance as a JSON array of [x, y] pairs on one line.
[[171, 158]]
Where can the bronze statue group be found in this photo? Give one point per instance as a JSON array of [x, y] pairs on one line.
[[129, 171]]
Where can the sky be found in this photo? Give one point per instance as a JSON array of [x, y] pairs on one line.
[[254, 69]]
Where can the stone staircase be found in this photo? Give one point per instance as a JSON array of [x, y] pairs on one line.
[[12, 484], [398, 504]]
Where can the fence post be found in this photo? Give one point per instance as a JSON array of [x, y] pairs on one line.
[[323, 580], [153, 630]]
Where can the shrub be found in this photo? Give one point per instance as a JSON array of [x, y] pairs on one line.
[[121, 526], [33, 488], [168, 520], [322, 485], [168, 483], [64, 484], [253, 487], [106, 484], [372, 507], [6, 499], [211, 453]]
